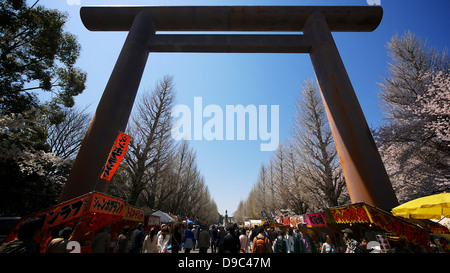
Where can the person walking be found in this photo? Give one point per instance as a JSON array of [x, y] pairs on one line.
[[204, 240], [102, 242], [253, 234], [28, 238], [220, 237], [137, 239], [290, 241], [59, 245], [244, 241], [163, 239], [303, 242], [231, 243], [213, 236], [188, 241], [176, 240], [195, 231], [261, 244], [280, 245], [122, 241], [150, 242], [328, 246]]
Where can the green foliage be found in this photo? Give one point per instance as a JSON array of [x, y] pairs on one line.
[[36, 54]]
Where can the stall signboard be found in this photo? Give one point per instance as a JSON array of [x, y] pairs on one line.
[[105, 204], [64, 212], [366, 214], [398, 227], [315, 219], [133, 214], [355, 213], [295, 220], [439, 230], [96, 209], [153, 221]]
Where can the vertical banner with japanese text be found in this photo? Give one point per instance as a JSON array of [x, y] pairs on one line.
[[115, 156]]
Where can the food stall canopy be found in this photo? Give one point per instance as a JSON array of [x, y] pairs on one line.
[[362, 213], [428, 207], [92, 211], [164, 217]]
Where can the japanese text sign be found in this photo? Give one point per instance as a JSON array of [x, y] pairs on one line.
[[105, 204], [115, 156], [350, 214], [133, 214], [64, 212], [315, 219]]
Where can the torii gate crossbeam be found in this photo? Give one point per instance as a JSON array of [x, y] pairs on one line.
[[364, 171]]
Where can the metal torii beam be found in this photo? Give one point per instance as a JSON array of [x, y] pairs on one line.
[[364, 171]]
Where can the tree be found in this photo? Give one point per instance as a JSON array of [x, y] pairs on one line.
[[414, 140], [304, 173], [156, 172], [31, 176], [36, 54], [296, 193], [65, 136], [314, 145], [150, 145]]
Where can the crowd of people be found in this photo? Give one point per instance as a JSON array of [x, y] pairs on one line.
[[163, 239]]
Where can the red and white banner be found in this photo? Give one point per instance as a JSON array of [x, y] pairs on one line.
[[115, 156]]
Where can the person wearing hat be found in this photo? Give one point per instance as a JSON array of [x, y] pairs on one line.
[[59, 245], [102, 241], [353, 246]]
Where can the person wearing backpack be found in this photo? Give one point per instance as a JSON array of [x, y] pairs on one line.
[[261, 244]]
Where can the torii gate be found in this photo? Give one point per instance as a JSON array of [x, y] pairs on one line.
[[363, 169]]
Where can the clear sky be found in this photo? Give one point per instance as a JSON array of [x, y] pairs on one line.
[[231, 168]]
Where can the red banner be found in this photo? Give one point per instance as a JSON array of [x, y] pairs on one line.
[[115, 156], [315, 219], [64, 212]]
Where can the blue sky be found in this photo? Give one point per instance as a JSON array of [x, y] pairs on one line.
[[231, 168]]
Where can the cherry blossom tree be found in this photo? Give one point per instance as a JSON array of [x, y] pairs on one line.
[[415, 141]]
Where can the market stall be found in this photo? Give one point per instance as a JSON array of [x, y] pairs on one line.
[[374, 224], [152, 221], [434, 207], [85, 214], [319, 229], [165, 218], [131, 218]]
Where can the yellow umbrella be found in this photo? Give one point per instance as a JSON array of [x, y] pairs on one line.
[[428, 207]]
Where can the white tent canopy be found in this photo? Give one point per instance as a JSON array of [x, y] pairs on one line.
[[165, 218]]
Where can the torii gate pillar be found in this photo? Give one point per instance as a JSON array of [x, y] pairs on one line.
[[364, 171]]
